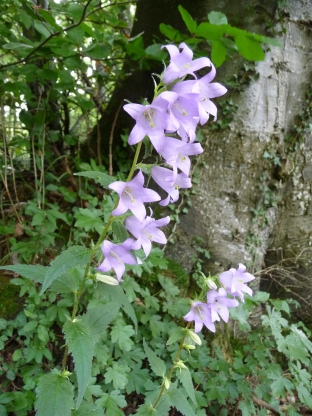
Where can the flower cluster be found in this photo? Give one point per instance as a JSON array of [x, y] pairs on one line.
[[234, 284], [170, 123]]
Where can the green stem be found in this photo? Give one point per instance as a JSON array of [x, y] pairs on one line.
[[173, 366], [97, 245]]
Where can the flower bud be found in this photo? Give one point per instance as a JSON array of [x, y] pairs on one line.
[[180, 364], [194, 337], [189, 347], [107, 279], [167, 383], [211, 284]]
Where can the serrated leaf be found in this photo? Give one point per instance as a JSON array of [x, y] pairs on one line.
[[218, 53], [179, 401], [118, 296], [146, 410], [81, 345], [121, 334], [120, 232], [89, 219], [72, 257], [87, 409], [99, 177], [98, 318], [187, 383], [157, 365], [116, 375], [176, 335], [249, 48], [217, 18], [36, 273], [55, 396], [188, 20]]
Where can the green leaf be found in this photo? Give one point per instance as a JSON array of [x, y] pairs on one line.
[[249, 48], [41, 28], [187, 383], [72, 257], [116, 375], [179, 401], [81, 345], [209, 31], [89, 219], [121, 333], [98, 51], [54, 396], [98, 318], [218, 53], [112, 403], [36, 273], [87, 409], [43, 334], [100, 177], [49, 18], [170, 32], [120, 232], [157, 365], [176, 335], [147, 410], [117, 295], [155, 52], [217, 18], [16, 46], [3, 411], [188, 20]]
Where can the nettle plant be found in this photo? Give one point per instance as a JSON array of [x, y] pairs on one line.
[[92, 288]]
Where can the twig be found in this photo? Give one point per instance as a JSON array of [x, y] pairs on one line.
[[264, 404]]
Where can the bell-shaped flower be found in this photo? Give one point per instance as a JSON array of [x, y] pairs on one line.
[[219, 304], [152, 120], [132, 196], [170, 183], [200, 313], [176, 154], [234, 281], [185, 111], [182, 63], [117, 255], [147, 231]]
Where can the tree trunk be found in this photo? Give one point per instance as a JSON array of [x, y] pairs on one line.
[[253, 198]]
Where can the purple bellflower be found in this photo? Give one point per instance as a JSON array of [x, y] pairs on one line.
[[234, 281], [185, 111], [171, 183], [181, 63], [132, 195], [200, 313], [152, 120], [219, 304], [116, 256], [176, 153], [147, 231]]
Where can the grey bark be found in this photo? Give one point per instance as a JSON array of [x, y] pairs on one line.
[[234, 170]]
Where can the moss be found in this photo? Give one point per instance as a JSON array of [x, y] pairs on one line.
[[10, 302]]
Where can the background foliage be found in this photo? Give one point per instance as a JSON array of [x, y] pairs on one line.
[[59, 65]]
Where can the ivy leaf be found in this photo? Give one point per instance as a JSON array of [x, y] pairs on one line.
[[188, 20], [36, 273], [249, 48], [55, 396], [99, 177], [98, 318], [81, 345], [116, 375], [179, 401], [157, 365], [72, 257]]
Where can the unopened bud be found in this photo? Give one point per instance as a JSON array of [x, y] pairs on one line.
[[167, 383], [107, 279], [194, 337], [211, 284], [189, 347], [180, 364]]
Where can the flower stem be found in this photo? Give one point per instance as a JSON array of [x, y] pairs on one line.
[[173, 366]]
